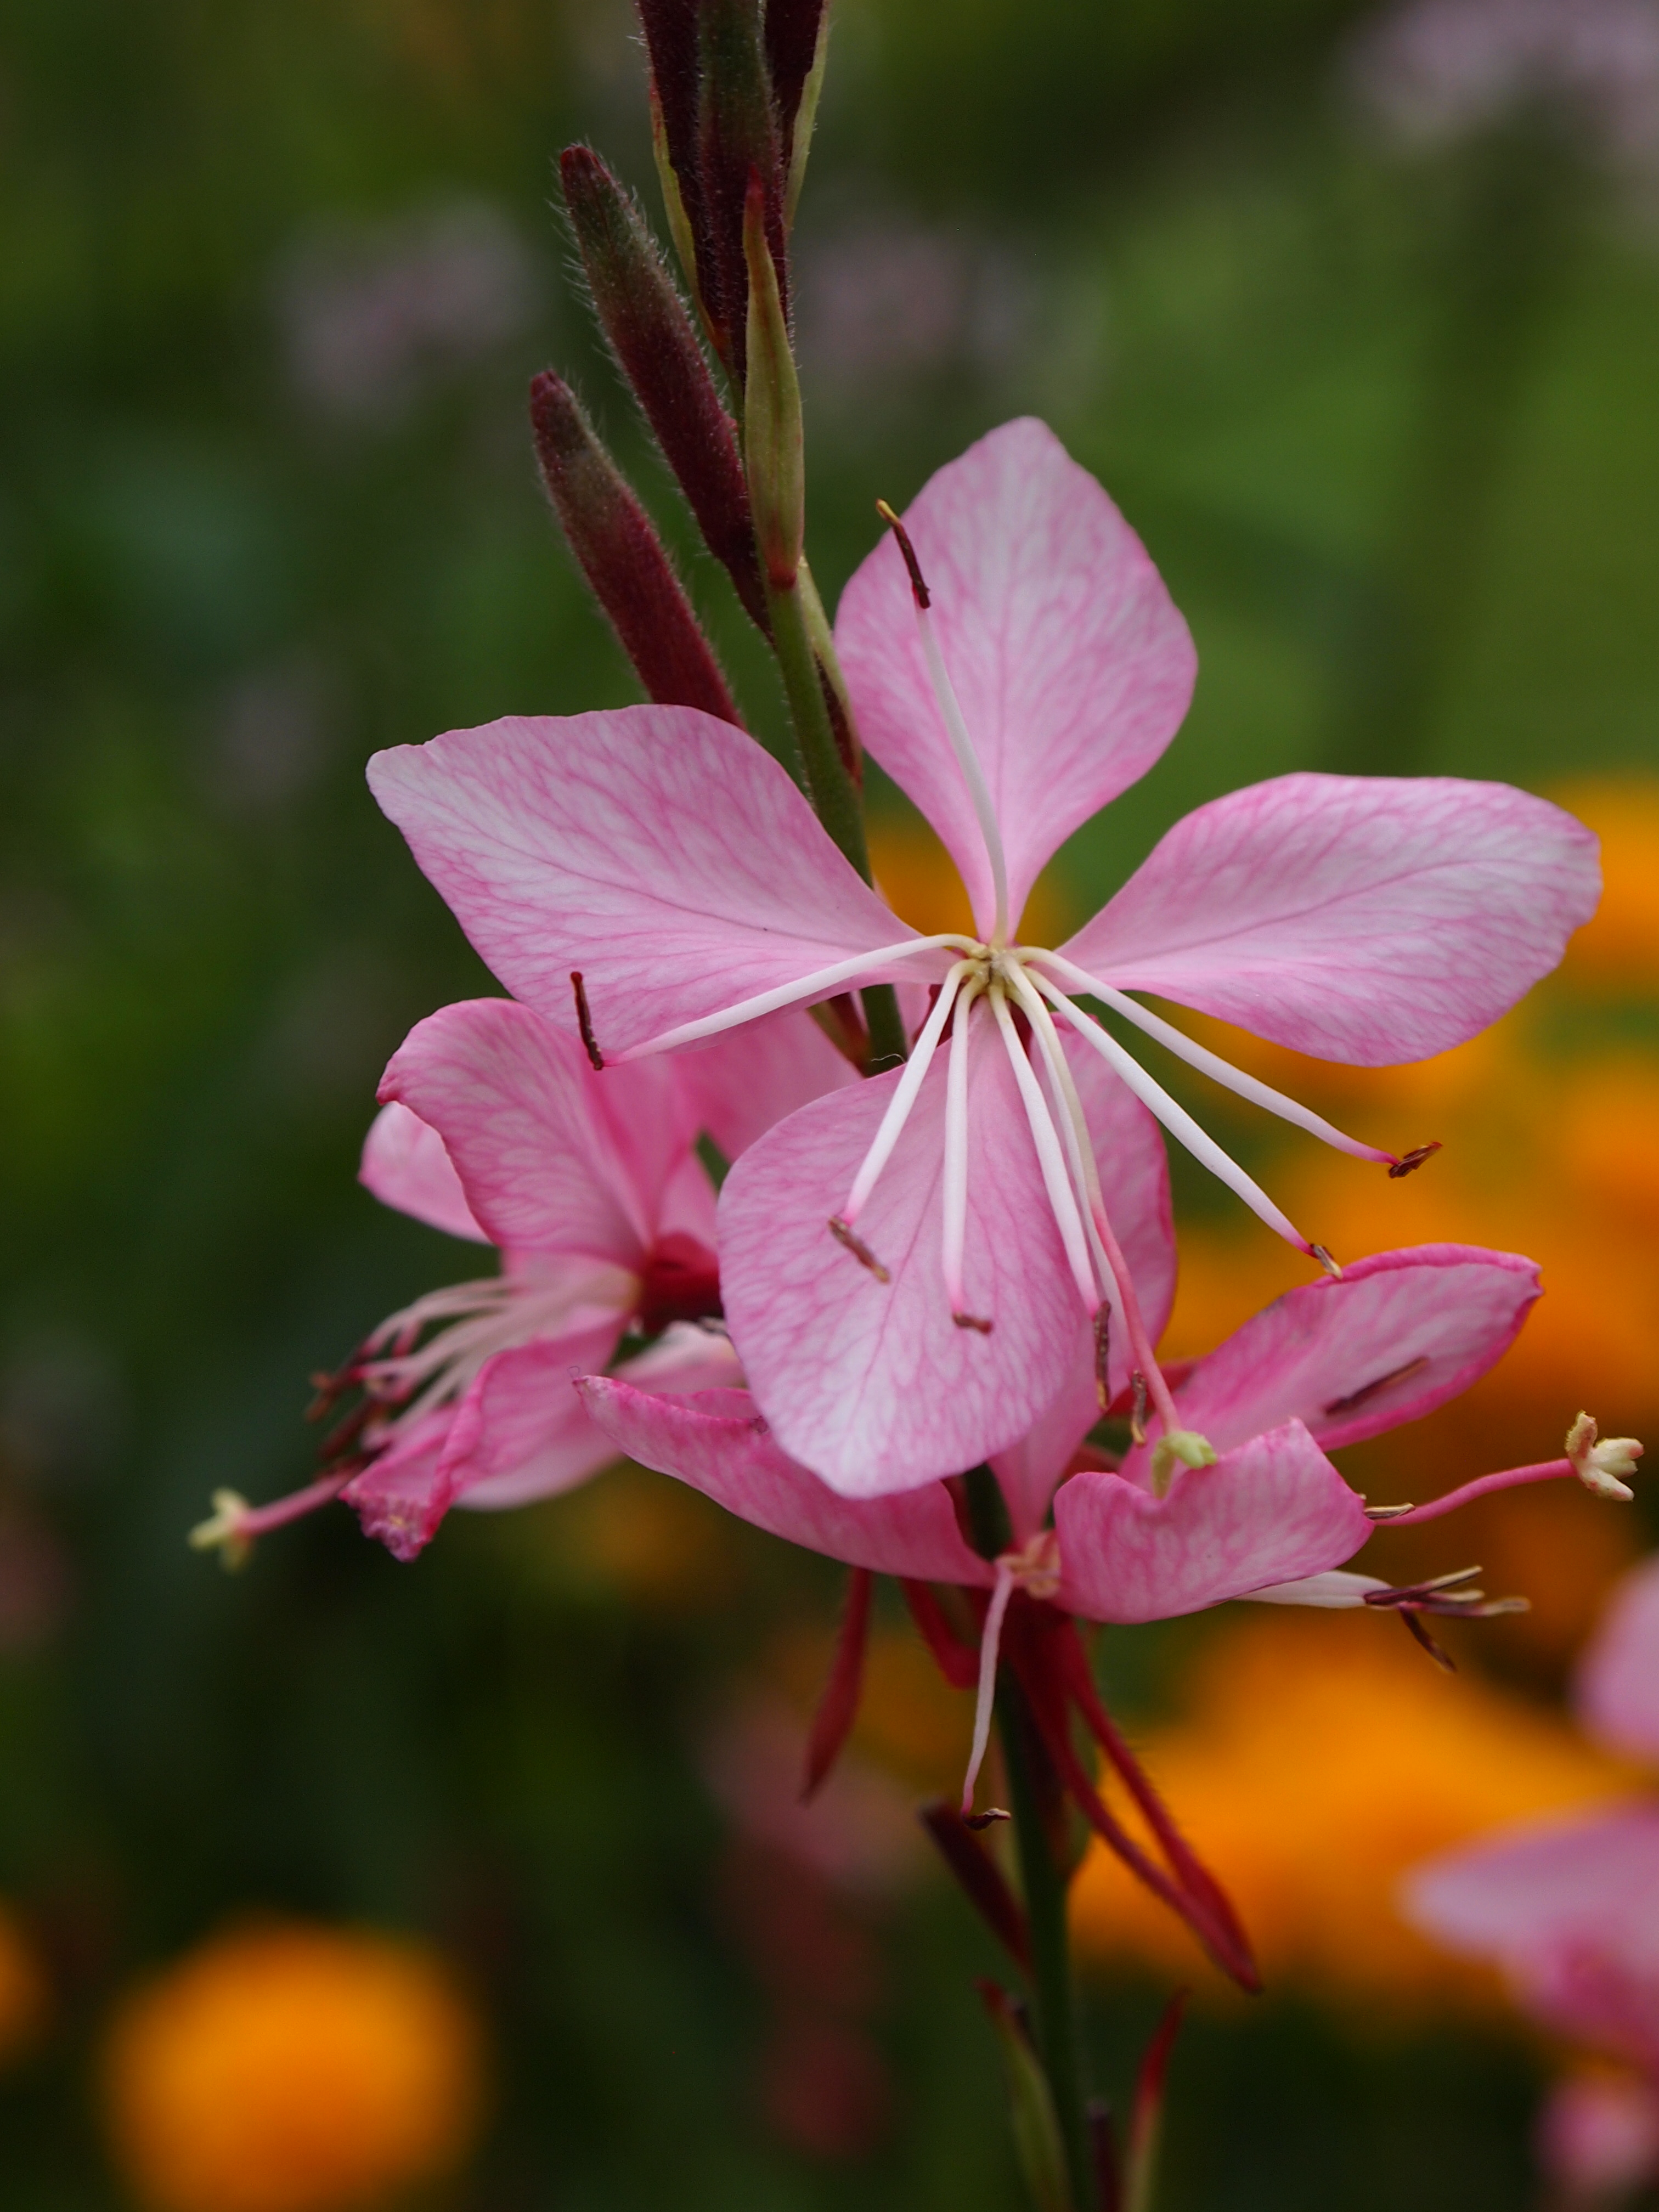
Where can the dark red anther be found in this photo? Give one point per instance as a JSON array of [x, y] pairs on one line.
[[976, 1322], [1409, 1163], [650, 333], [919, 590], [838, 1707], [1103, 1356], [681, 1282], [980, 1878], [585, 1024], [619, 552], [1364, 1395], [860, 1251]]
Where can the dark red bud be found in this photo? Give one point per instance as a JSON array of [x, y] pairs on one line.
[[738, 137], [649, 331], [792, 31], [622, 558]]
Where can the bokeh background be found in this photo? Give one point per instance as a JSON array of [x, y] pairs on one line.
[[478, 1883]]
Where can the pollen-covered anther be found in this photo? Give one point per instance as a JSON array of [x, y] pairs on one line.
[[1408, 1163], [1600, 1462], [1178, 1448], [225, 1530], [843, 1234]]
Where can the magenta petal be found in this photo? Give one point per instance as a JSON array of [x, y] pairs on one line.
[[1073, 666], [743, 1083], [401, 1496], [545, 1162], [871, 1384], [715, 1441], [521, 1430], [1618, 1686], [656, 850], [1397, 1336], [1272, 1511], [1369, 919], [406, 1165]]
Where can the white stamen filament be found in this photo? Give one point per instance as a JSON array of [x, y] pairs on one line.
[[955, 1194], [1049, 1158], [1176, 1119], [819, 984], [1212, 1063], [497, 1314], [990, 1644], [904, 1095], [1109, 1253], [972, 773]]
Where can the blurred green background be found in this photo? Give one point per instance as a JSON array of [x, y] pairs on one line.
[[1368, 357]]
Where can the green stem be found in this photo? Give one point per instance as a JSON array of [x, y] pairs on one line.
[[1054, 2001], [831, 791]]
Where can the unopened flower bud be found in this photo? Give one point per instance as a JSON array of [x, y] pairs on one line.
[[223, 1531], [737, 143], [1179, 1447], [650, 333], [1601, 1465], [771, 421], [622, 557], [797, 37]]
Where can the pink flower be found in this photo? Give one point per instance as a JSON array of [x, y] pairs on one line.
[[1268, 1518], [494, 1127], [1039, 669], [1569, 1907]]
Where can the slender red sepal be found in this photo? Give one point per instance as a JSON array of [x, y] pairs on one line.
[[1146, 2117], [838, 1707], [649, 331], [620, 554], [792, 28], [957, 1662], [980, 1878], [1102, 2145]]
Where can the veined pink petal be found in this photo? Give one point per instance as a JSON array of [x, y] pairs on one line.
[[1073, 667], [400, 1496], [1134, 1180], [521, 1423], [1397, 1336], [405, 1165], [1065, 651], [1368, 918], [740, 1084], [658, 851], [716, 1441], [1271, 1510], [1617, 1690], [541, 1160], [870, 1383]]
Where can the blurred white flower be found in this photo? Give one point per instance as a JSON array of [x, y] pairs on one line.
[[373, 313], [1433, 70]]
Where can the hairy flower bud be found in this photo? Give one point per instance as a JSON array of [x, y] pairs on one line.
[[771, 422], [797, 36], [650, 333], [622, 558], [737, 140]]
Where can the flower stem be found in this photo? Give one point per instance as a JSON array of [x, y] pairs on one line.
[[1054, 2001]]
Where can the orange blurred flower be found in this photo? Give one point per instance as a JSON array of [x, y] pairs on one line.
[[23, 1995], [282, 2067], [1317, 1760]]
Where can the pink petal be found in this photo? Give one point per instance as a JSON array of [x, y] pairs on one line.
[[1399, 1334], [521, 1427], [871, 1384], [401, 1496], [656, 850], [1618, 1686], [1072, 665], [740, 1084], [715, 1441], [1370, 919], [543, 1163], [405, 1164], [1134, 1180], [1272, 1510], [1578, 1881]]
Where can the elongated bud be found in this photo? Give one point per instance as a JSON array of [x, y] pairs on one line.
[[797, 39], [650, 333], [672, 45], [673, 201], [622, 558], [1035, 2126], [737, 140], [771, 416]]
